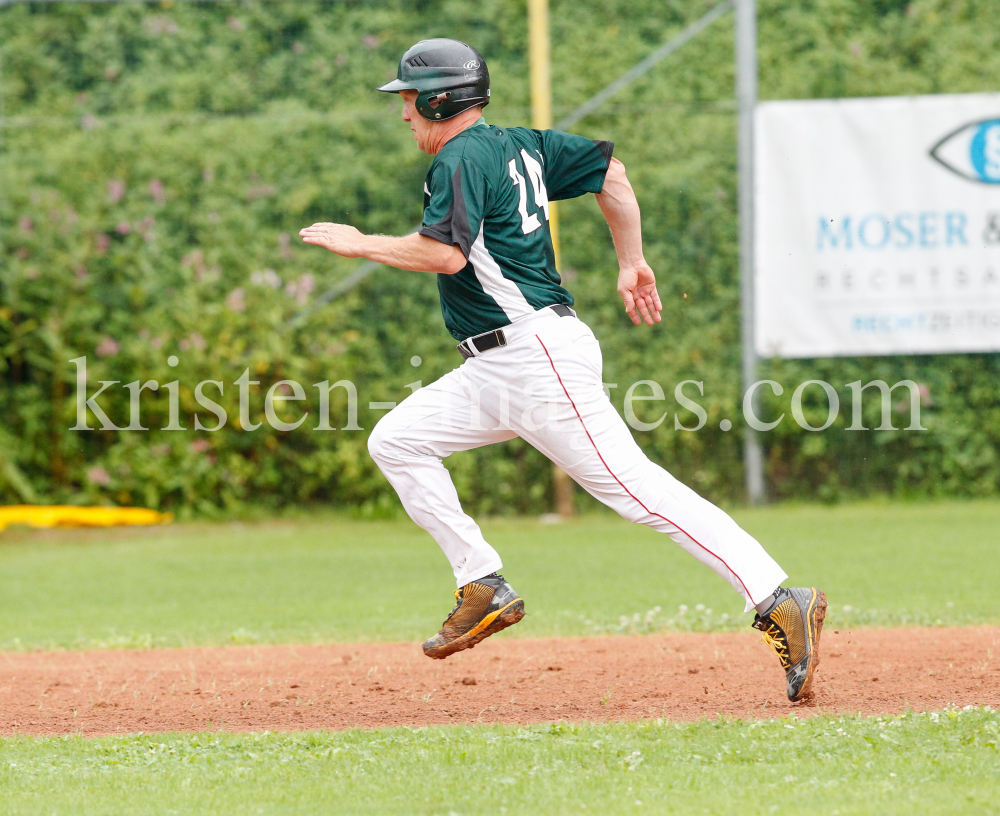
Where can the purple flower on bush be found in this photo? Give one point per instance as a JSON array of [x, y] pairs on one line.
[[26, 224], [124, 228], [157, 192], [925, 399], [261, 191], [98, 476], [146, 227], [101, 243], [116, 190], [160, 25], [266, 277], [193, 340], [107, 348], [236, 301], [302, 288], [200, 446], [925, 395], [195, 259]]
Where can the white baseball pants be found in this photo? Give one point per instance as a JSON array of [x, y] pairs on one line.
[[545, 386]]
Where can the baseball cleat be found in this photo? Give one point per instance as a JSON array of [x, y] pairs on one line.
[[791, 628], [482, 608]]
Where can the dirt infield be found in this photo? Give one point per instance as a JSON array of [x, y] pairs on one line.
[[605, 679]]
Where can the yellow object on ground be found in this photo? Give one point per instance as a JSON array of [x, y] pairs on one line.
[[66, 516]]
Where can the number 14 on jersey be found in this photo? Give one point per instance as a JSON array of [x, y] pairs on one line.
[[529, 223]]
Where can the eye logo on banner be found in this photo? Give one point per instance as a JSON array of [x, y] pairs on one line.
[[972, 151], [891, 243]]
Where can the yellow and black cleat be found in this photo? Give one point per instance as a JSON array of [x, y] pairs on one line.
[[791, 627], [482, 608]]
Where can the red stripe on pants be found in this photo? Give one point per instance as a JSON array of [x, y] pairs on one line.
[[613, 476]]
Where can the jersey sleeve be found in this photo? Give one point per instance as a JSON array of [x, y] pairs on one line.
[[574, 165], [456, 194]]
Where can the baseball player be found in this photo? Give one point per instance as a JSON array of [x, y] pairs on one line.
[[531, 367]]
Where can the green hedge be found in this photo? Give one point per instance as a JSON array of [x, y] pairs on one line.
[[158, 161]]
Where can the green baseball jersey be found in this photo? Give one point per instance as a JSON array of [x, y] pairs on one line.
[[488, 192]]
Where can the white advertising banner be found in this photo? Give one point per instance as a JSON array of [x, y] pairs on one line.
[[877, 226]]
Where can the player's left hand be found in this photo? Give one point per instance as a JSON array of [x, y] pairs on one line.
[[340, 238], [637, 287]]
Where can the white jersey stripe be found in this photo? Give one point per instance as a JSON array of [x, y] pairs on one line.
[[501, 289]]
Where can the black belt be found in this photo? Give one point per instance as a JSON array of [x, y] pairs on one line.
[[495, 339]]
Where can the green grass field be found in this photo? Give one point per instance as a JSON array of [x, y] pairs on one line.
[[337, 579], [944, 764], [332, 578]]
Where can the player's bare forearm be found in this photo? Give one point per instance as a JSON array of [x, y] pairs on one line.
[[414, 251], [636, 281], [621, 211]]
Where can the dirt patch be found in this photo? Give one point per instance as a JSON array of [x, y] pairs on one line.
[[680, 677]]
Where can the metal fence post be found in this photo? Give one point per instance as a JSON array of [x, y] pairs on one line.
[[746, 101]]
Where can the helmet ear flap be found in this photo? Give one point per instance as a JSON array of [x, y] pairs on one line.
[[437, 99], [434, 102], [429, 104], [438, 105]]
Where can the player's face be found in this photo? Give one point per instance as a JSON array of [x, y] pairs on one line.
[[419, 127]]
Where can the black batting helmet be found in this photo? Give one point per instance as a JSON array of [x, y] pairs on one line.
[[449, 77]]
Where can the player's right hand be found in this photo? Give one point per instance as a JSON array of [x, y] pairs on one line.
[[340, 238], [637, 287]]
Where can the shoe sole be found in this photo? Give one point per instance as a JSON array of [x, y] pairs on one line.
[[489, 625], [815, 614]]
